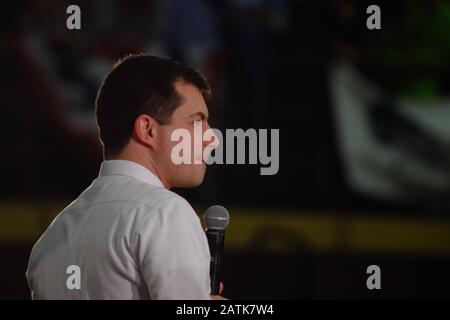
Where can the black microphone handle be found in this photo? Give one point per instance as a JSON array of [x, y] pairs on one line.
[[215, 240]]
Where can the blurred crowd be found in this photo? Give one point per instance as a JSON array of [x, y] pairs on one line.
[[268, 62]]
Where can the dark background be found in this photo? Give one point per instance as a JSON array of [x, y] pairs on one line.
[[307, 232]]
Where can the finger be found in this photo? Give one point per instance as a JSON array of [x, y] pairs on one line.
[[221, 288], [218, 298]]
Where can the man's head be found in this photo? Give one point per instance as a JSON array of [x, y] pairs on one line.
[[139, 104]]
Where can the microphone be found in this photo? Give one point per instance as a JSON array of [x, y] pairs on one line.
[[216, 220]]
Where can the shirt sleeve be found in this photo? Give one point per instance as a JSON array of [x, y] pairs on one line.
[[171, 252]]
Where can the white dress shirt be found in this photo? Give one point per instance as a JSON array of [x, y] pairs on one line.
[[131, 239]]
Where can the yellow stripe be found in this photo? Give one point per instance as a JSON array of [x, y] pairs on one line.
[[278, 230]]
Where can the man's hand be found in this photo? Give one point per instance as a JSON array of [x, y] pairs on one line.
[[219, 297]]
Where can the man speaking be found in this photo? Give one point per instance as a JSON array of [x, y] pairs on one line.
[[127, 236]]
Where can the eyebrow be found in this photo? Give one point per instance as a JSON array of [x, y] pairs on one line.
[[201, 114]]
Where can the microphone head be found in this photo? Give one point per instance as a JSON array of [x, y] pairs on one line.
[[216, 217]]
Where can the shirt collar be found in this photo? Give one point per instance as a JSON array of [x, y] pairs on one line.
[[131, 169]]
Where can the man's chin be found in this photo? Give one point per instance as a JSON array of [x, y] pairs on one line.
[[191, 183]]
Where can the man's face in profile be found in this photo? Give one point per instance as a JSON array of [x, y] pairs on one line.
[[192, 109]]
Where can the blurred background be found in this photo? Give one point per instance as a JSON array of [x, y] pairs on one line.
[[364, 119]]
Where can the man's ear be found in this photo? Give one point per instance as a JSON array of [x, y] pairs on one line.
[[145, 130]]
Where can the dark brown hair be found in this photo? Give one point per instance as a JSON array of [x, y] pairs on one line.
[[140, 84]]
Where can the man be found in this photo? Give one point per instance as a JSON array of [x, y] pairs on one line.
[[127, 236]]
